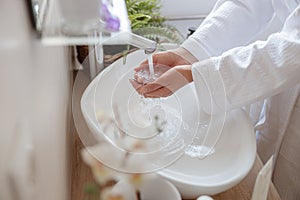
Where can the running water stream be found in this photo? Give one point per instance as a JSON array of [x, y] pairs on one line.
[[151, 67]]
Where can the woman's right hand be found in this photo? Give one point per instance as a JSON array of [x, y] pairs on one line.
[[162, 62], [166, 84], [167, 59]]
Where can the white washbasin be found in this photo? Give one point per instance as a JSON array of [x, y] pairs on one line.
[[230, 160]]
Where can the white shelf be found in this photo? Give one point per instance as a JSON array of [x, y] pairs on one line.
[[77, 22]]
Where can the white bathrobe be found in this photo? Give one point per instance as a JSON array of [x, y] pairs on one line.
[[236, 70]]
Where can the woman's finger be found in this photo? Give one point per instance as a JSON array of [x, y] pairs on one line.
[[136, 85], [157, 58], [150, 87], [172, 80], [161, 92], [140, 79], [142, 66]]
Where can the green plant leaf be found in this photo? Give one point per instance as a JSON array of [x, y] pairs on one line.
[[91, 189], [144, 8], [139, 20], [161, 34]]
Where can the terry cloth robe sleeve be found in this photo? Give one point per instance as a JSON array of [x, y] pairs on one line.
[[246, 74], [231, 23]]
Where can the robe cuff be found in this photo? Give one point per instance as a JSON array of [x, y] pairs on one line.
[[196, 49], [210, 86]]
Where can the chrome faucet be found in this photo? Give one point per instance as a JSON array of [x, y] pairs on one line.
[[149, 46]]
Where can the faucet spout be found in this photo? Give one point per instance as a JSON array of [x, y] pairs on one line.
[[149, 46]]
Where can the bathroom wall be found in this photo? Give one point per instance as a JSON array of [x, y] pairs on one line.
[[34, 111], [186, 13]]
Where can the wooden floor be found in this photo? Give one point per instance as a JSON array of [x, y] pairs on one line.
[[80, 173]]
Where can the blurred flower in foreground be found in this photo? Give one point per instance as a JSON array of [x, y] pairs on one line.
[[101, 173], [112, 22], [113, 184], [120, 191], [138, 180]]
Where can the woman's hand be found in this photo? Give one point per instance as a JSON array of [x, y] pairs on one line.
[[166, 58], [166, 84], [172, 71]]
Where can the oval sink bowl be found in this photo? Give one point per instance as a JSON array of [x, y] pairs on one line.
[[232, 159], [228, 144]]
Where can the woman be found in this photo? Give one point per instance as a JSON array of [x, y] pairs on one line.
[[231, 69]]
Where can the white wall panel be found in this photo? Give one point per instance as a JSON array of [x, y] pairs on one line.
[[184, 14], [177, 8], [34, 110]]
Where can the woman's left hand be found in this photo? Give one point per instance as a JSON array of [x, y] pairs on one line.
[[165, 85]]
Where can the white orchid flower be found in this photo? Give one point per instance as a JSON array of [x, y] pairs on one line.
[[120, 191]]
